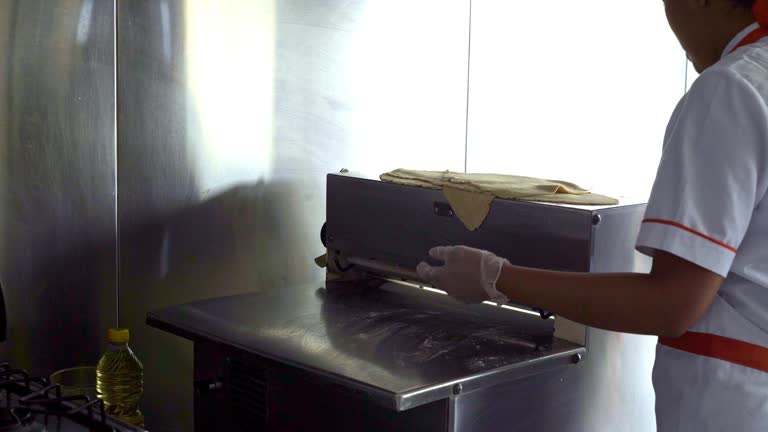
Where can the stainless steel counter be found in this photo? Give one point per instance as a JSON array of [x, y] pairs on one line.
[[399, 345]]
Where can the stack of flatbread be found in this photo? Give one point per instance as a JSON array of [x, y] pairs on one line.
[[470, 195]]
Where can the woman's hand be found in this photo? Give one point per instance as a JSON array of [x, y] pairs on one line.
[[468, 275], [666, 302]]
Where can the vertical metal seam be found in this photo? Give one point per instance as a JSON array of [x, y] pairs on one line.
[[466, 112], [116, 179]]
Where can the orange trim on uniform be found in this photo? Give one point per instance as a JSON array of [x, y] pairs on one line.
[[754, 36], [761, 12], [692, 231], [721, 348]]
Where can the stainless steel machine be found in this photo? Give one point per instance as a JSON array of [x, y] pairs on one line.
[[371, 349]]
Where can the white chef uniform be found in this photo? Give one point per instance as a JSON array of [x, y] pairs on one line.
[[709, 207]]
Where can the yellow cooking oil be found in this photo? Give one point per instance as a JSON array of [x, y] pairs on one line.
[[120, 379]]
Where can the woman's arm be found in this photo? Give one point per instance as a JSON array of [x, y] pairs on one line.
[[666, 302]]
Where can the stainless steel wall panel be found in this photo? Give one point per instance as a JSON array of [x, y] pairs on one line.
[[230, 113], [57, 180]]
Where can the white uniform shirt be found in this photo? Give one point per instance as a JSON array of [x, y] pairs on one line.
[[708, 206]]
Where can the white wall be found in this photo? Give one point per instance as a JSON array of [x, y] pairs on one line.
[[572, 90]]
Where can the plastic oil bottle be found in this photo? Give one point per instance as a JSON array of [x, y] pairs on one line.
[[120, 379]]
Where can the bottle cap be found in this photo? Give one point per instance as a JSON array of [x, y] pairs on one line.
[[118, 335]]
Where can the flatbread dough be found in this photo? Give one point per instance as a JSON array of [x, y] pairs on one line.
[[470, 207], [470, 195]]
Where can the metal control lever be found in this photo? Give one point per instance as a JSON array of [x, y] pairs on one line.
[[544, 314]]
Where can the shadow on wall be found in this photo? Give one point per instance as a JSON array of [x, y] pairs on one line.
[[250, 233], [196, 114], [248, 238], [73, 290]]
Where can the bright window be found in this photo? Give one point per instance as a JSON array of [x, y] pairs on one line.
[[579, 91]]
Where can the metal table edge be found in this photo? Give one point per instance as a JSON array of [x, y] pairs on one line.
[[412, 398], [382, 397], [417, 397]]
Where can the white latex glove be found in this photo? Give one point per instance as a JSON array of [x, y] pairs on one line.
[[468, 275]]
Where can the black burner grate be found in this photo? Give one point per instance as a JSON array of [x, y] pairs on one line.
[[24, 396]]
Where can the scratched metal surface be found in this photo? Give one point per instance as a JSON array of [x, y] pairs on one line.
[[402, 345]]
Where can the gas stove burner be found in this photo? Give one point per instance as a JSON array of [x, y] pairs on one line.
[[8, 420], [14, 419], [34, 404]]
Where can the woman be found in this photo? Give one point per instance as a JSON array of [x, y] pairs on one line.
[[705, 225]]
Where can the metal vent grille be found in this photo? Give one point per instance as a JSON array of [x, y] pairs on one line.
[[248, 390]]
